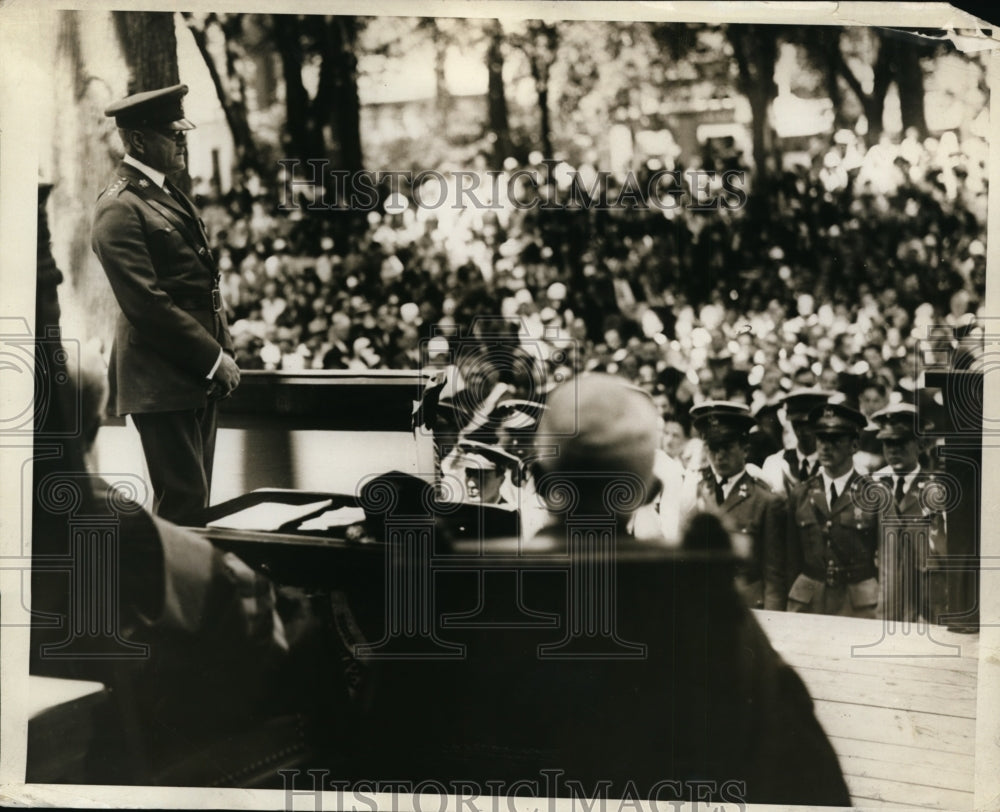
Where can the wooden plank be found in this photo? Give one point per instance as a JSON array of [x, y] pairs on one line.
[[872, 792], [924, 671], [906, 773], [838, 636], [951, 734], [925, 697], [895, 755]]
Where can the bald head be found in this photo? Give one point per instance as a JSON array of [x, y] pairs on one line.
[[605, 431]]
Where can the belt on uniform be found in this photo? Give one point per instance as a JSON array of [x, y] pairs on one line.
[[842, 576], [200, 301]]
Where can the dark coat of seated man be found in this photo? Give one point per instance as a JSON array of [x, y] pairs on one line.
[[655, 681]]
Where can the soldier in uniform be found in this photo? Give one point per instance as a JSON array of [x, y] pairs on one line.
[[913, 532], [832, 536], [784, 470], [172, 355], [754, 513]]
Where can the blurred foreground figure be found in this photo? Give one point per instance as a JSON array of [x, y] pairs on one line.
[[718, 705]]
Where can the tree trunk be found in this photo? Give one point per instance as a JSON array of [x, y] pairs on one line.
[[234, 109], [756, 51], [83, 139], [497, 101], [442, 97], [150, 47], [149, 44], [542, 51], [872, 103], [829, 44], [305, 138], [345, 111], [909, 75]]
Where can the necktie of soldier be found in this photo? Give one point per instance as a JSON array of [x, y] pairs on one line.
[[804, 470], [899, 490], [833, 494], [720, 495]]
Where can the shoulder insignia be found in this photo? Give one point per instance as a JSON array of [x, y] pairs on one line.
[[116, 187]]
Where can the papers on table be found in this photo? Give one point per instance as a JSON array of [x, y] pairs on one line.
[[334, 518], [269, 515]]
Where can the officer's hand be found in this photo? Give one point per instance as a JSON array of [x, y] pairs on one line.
[[227, 376]]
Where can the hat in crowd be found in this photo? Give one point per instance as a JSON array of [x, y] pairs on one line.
[[896, 422], [830, 419], [719, 421], [799, 403], [485, 457], [152, 108], [516, 414], [602, 425]]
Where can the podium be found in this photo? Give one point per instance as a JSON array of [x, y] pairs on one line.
[[320, 430]]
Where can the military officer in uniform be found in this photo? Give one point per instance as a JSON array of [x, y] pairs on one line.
[[912, 532], [783, 470], [833, 524], [172, 356], [754, 513]]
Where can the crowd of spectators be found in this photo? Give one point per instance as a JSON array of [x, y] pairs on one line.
[[832, 275]]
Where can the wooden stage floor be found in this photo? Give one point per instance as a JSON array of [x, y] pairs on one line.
[[899, 704]]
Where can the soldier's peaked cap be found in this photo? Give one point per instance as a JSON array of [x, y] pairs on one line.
[[897, 422], [721, 420], [836, 418], [800, 402], [162, 108]]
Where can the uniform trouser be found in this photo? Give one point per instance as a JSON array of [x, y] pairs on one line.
[[852, 600], [179, 449]]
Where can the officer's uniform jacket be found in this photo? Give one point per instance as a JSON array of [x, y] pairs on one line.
[[156, 256], [834, 544], [913, 542], [755, 513], [916, 509]]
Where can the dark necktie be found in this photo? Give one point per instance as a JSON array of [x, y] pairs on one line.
[[833, 494], [899, 490], [804, 470], [720, 495]]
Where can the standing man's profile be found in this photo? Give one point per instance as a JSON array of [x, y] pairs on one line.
[[172, 356]]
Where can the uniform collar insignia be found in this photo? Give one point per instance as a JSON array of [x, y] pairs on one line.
[[143, 183]]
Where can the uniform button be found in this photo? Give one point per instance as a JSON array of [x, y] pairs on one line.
[[201, 251]]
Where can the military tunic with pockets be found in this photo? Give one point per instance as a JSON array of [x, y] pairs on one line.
[[832, 549], [756, 515], [156, 256], [914, 545]]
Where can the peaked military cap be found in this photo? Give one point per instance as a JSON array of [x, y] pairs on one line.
[[800, 402], [486, 457], [515, 413], [836, 418], [152, 108], [897, 422], [721, 420]]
